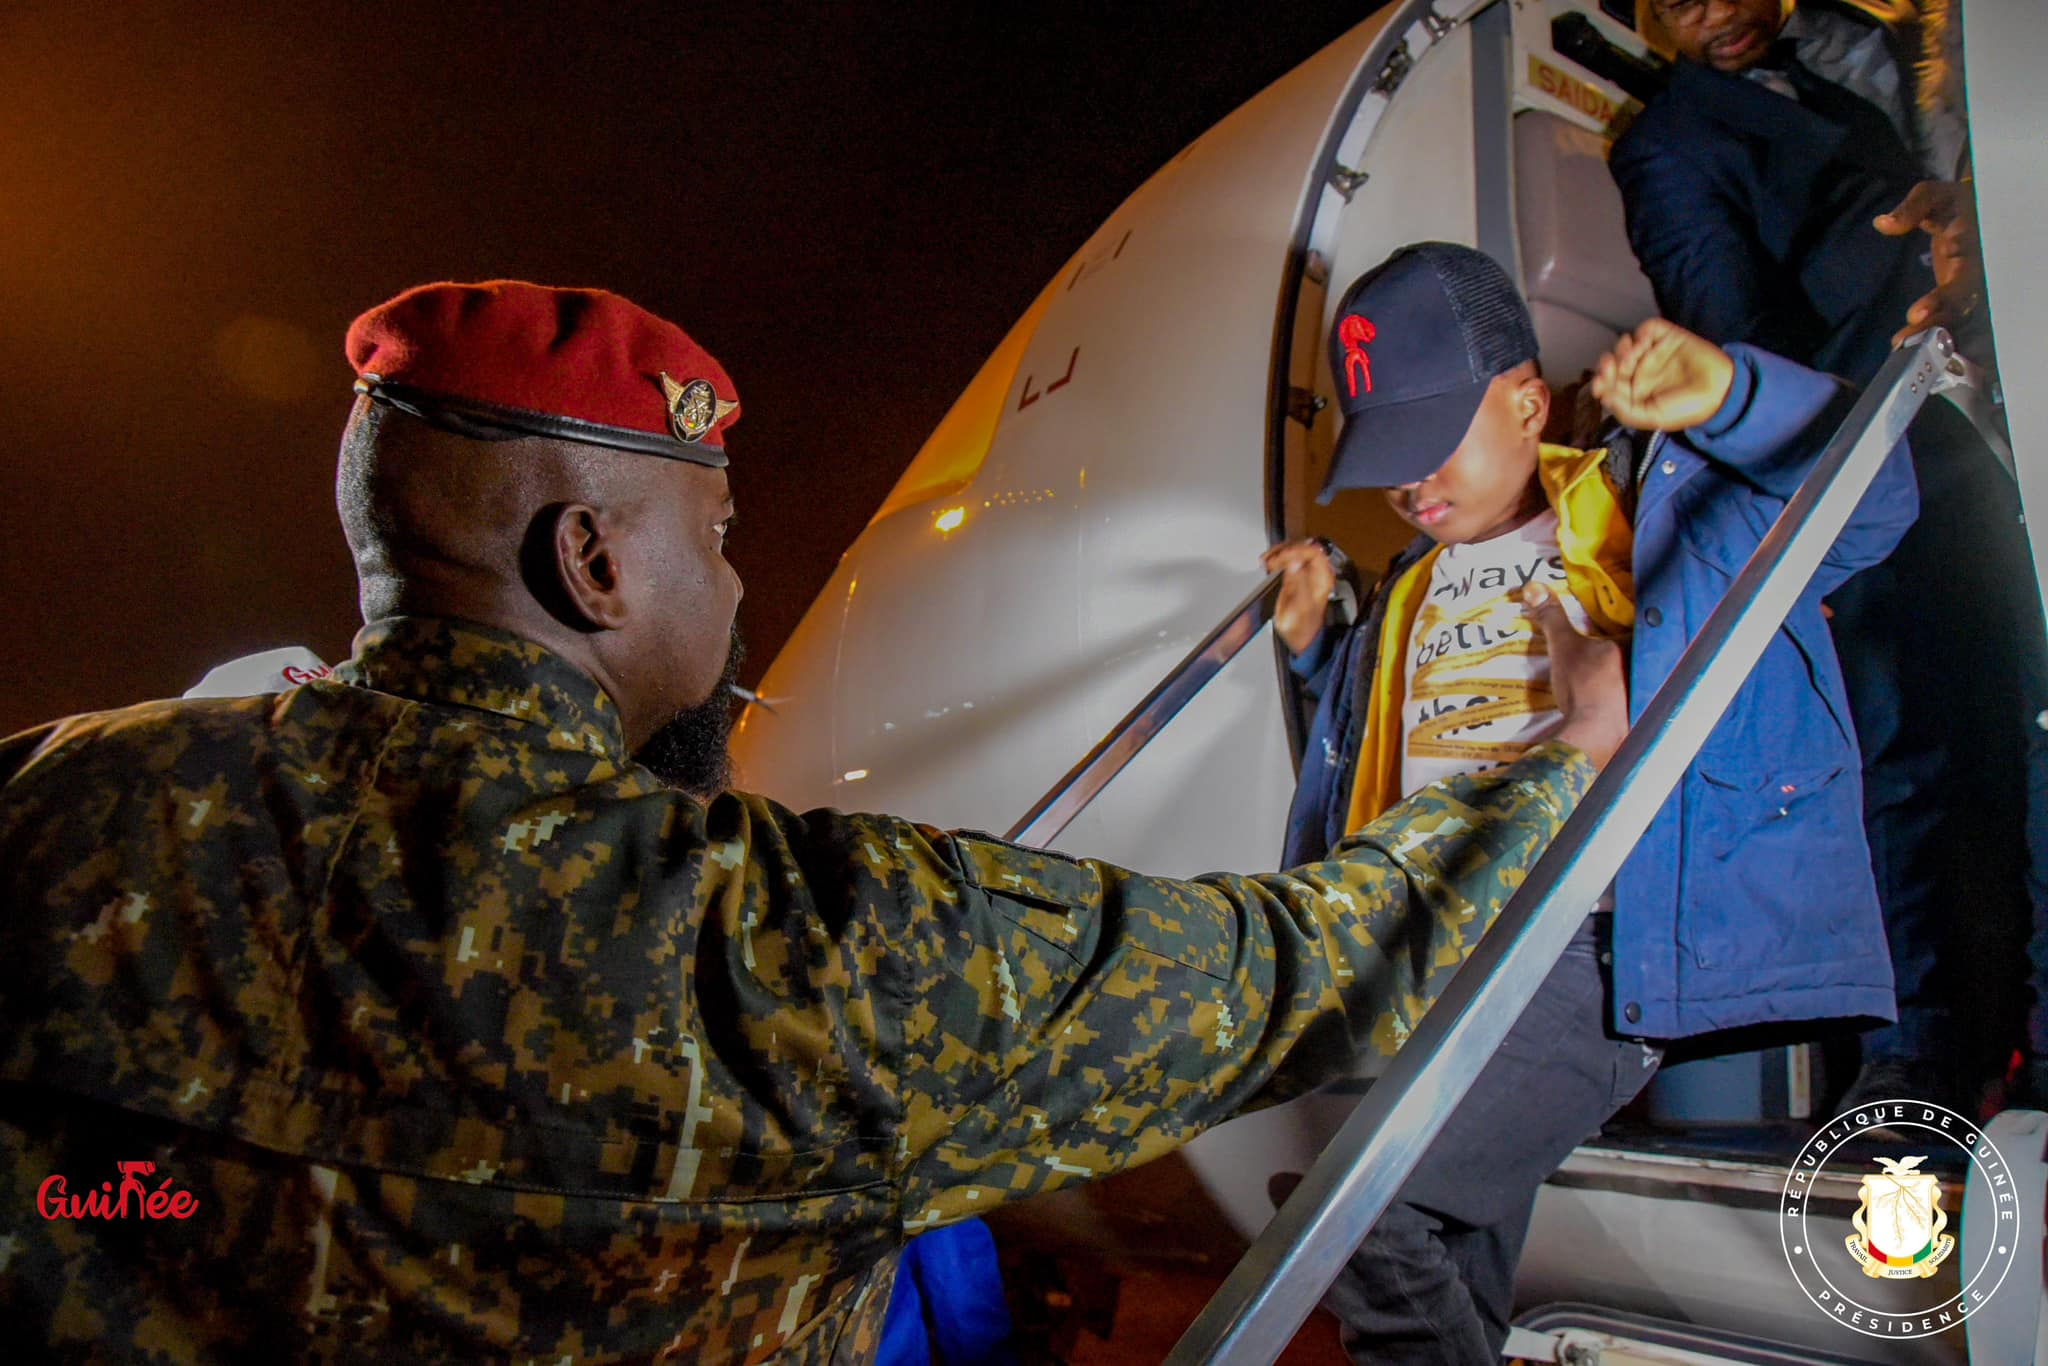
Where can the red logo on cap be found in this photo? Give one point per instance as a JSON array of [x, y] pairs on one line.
[[1355, 332]]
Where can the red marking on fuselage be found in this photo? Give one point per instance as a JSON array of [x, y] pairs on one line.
[[1027, 396]]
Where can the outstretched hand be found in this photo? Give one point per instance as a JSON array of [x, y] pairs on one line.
[[1946, 210], [1304, 593], [1587, 677], [1662, 378]]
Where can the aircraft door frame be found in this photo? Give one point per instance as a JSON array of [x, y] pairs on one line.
[[2005, 53]]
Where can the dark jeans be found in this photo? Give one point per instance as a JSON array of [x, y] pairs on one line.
[[1434, 1280], [1943, 653]]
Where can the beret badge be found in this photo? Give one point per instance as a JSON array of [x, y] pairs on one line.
[[694, 408]]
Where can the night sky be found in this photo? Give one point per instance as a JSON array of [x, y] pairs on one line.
[[848, 209]]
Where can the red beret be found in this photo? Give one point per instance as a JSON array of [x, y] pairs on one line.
[[506, 357]]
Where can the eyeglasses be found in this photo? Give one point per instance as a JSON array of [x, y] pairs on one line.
[[1679, 13]]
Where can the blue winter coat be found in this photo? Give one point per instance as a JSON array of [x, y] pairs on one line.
[[1749, 898]]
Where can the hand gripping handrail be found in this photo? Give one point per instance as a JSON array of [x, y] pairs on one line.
[[1053, 812], [1258, 1308]]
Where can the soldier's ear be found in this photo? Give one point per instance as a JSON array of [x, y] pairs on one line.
[[580, 572]]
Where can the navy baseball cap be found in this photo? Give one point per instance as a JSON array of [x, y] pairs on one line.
[[1417, 340]]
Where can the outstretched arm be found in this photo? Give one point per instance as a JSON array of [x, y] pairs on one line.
[[981, 1021], [1075, 1018], [1760, 415], [1072, 1018]]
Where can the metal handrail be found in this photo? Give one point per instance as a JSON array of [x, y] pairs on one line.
[[1053, 812], [1279, 1281]]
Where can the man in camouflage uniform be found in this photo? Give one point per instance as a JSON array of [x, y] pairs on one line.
[[475, 1034]]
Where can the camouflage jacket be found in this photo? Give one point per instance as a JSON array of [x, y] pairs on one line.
[[472, 1041]]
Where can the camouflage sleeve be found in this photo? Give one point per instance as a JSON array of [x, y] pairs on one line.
[[1061, 1019]]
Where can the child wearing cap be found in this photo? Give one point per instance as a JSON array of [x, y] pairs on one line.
[[1749, 899]]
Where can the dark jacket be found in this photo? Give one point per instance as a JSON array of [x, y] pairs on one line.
[[1751, 215], [1749, 898]]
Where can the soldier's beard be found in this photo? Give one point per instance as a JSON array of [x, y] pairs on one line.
[[689, 751]]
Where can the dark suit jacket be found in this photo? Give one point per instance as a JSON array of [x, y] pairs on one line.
[[1750, 212]]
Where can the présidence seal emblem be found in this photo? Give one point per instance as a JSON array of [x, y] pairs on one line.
[[1898, 1231]]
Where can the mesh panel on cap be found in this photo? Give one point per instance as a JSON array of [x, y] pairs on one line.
[[1491, 314]]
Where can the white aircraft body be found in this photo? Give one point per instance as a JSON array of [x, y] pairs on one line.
[[1098, 498]]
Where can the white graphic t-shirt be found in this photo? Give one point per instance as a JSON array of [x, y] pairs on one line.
[[1478, 672]]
